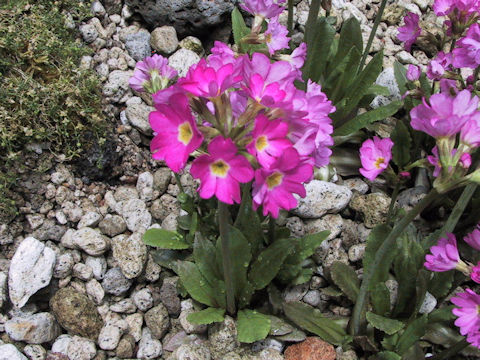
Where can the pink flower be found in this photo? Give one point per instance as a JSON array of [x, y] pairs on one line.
[[276, 36], [437, 67], [298, 56], [448, 86], [262, 92], [445, 115], [375, 155], [203, 80], [467, 304], [467, 53], [444, 255], [473, 338], [273, 188], [473, 239], [410, 31], [265, 8], [475, 274], [463, 7], [177, 135], [153, 71], [269, 140], [435, 161], [221, 54], [221, 171], [163, 96], [413, 72]]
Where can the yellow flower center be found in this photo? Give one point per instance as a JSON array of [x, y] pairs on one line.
[[379, 161], [268, 38], [274, 180], [185, 133], [219, 168], [261, 143]]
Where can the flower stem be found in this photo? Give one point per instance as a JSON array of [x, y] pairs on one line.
[[396, 190], [271, 230], [453, 350], [290, 17], [223, 215], [179, 183], [459, 208], [357, 321], [372, 35]]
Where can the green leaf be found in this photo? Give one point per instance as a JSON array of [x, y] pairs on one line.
[[414, 331], [369, 117], [164, 239], [440, 315], [195, 283], [400, 73], [264, 269], [347, 76], [440, 283], [346, 279], [380, 299], [279, 326], [239, 28], [402, 142], [204, 256], [387, 355], [350, 36], [168, 258], [388, 326], [312, 320], [376, 89], [425, 85], [252, 326], [207, 316]]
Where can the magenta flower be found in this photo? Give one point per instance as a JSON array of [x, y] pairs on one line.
[[444, 255], [473, 239], [413, 73], [176, 133], [263, 93], [269, 140], [445, 115], [273, 188], [467, 53], [375, 155], [473, 338], [153, 72], [410, 31], [463, 7], [475, 274], [203, 80], [448, 86], [264, 8], [468, 315], [276, 36], [221, 171], [163, 96], [437, 67], [298, 56], [465, 161]]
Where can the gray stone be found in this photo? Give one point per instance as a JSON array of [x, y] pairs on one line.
[[373, 207], [187, 309], [386, 79], [90, 219], [356, 184], [429, 304], [192, 351], [3, 288], [296, 226], [95, 291], [125, 306], [35, 220], [222, 338], [143, 299], [82, 271], [90, 241], [135, 322], [158, 321], [295, 293], [30, 270], [148, 348], [330, 222], [113, 6], [117, 85], [115, 282], [152, 270], [89, 33], [49, 231], [138, 45], [164, 206], [35, 352], [192, 43], [109, 336], [98, 265], [33, 328], [75, 347], [405, 57], [164, 40], [126, 347], [170, 223], [356, 252], [145, 186], [161, 179], [322, 197], [392, 286], [10, 352], [182, 60], [98, 9], [130, 254], [136, 215], [112, 225], [169, 296], [312, 297], [137, 115]]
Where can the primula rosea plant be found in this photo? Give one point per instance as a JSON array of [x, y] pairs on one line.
[[257, 118]]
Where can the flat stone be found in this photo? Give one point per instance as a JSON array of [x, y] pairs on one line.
[[136, 215], [130, 254], [182, 60], [115, 282], [158, 321], [33, 328], [90, 241], [148, 348], [137, 115], [312, 348], [31, 269], [10, 352]]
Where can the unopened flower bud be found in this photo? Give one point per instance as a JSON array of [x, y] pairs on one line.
[[327, 5]]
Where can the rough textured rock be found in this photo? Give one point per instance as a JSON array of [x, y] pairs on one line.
[[90, 241], [115, 283], [30, 270], [222, 338], [192, 351], [33, 328], [137, 115], [322, 197], [112, 225], [3, 288], [164, 40], [182, 59], [187, 309], [117, 85], [35, 352], [10, 352], [138, 45], [157, 320], [372, 207], [311, 349], [387, 79], [136, 215], [76, 313], [148, 348], [130, 254]]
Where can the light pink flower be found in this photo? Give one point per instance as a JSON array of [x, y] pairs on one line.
[[449, 86], [464, 8], [467, 52], [465, 161], [276, 36], [221, 54], [152, 68], [475, 274], [410, 31], [265, 8], [473, 338], [413, 73], [273, 188], [468, 304], [437, 67], [444, 256], [473, 239], [221, 171], [298, 56], [262, 92], [177, 135], [269, 140], [445, 115], [375, 155]]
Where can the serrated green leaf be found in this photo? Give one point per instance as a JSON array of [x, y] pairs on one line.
[[195, 283], [303, 276], [346, 279], [374, 241], [350, 36], [264, 269], [239, 28], [252, 326], [380, 299], [388, 326], [204, 256], [207, 316], [440, 315], [400, 73], [168, 258], [164, 239], [402, 142], [312, 320], [376, 89], [440, 283], [369, 117], [414, 331], [387, 355]]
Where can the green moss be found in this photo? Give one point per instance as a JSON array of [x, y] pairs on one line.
[[44, 95]]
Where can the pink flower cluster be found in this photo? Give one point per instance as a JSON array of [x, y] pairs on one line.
[[375, 155], [444, 257], [246, 121], [410, 31]]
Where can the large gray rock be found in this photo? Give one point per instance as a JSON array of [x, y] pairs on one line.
[[33, 328], [117, 85], [137, 114], [30, 270], [157, 320], [10, 352], [136, 215], [187, 16], [90, 241], [164, 40], [182, 59], [138, 45], [75, 347], [115, 282], [386, 79]]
